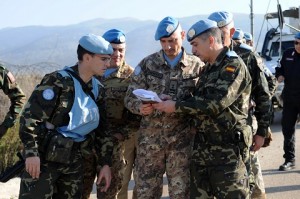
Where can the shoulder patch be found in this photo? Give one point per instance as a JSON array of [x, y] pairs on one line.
[[231, 54], [245, 46], [11, 77], [137, 70], [48, 94], [230, 69]]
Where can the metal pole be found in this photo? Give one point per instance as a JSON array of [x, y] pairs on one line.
[[281, 23], [251, 18]]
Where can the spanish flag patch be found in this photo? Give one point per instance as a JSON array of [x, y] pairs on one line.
[[230, 69]]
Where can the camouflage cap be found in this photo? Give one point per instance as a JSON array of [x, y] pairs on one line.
[[166, 28], [96, 44], [200, 27], [114, 36], [222, 18]]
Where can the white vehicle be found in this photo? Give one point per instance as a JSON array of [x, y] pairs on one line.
[[277, 42]]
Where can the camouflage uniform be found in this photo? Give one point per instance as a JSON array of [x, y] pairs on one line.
[[223, 138], [261, 95], [258, 191], [129, 156], [17, 98], [164, 140], [119, 121], [260, 90], [64, 179]]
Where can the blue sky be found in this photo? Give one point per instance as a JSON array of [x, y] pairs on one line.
[[17, 13]]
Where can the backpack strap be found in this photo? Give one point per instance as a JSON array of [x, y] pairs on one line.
[[82, 83]]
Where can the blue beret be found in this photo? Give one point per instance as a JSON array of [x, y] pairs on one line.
[[166, 27], [238, 34], [297, 36], [95, 44], [222, 18], [114, 36], [199, 27], [248, 36]]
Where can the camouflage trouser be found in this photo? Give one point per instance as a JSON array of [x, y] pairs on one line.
[[259, 189], [129, 156], [218, 171], [65, 179], [155, 157], [257, 182], [117, 171], [90, 171]]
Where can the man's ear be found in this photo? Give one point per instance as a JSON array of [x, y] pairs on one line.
[[86, 57], [183, 34], [232, 30], [211, 40]]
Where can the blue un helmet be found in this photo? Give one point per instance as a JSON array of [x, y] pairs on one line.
[[248, 36], [114, 36], [238, 34], [200, 27], [297, 36], [96, 44], [166, 28], [222, 18]]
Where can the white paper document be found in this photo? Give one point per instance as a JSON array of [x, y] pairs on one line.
[[146, 96]]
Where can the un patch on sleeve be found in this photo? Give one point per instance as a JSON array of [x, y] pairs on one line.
[[48, 94]]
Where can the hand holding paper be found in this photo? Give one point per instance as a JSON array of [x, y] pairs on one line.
[[146, 96]]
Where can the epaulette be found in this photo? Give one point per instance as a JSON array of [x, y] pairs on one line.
[[246, 46], [232, 54]]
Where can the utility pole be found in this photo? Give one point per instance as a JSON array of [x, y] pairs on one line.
[[251, 18]]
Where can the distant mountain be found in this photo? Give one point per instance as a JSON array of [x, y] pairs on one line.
[[57, 44]]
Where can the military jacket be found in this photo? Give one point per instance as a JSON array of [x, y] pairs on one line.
[[260, 89], [290, 70], [13, 91], [118, 118], [222, 96], [153, 73], [51, 101]]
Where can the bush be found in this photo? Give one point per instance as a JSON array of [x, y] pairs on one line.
[[10, 144]]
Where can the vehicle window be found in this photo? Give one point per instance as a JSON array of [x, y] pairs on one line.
[[274, 51]]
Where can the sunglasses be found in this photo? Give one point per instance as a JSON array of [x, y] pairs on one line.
[[296, 42]]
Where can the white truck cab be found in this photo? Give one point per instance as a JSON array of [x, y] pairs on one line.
[[271, 52]]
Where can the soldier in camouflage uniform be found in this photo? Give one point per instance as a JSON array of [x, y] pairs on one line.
[[260, 95], [259, 189], [60, 122], [164, 140], [223, 138], [17, 99], [120, 123]]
